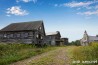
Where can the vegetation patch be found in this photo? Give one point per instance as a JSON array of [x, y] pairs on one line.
[[83, 55], [14, 52]]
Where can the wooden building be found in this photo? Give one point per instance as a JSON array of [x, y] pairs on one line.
[[53, 38], [24, 32], [64, 41]]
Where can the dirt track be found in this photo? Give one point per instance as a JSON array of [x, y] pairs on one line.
[[54, 57]]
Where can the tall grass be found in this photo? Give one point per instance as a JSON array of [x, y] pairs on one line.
[[86, 54], [14, 52]]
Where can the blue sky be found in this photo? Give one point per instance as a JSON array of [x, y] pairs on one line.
[[70, 17]]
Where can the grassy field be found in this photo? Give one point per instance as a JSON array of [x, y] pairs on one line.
[[85, 55], [14, 52], [75, 55]]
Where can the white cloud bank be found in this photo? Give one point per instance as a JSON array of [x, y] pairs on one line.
[[78, 4], [16, 10], [88, 5], [26, 1], [88, 13]]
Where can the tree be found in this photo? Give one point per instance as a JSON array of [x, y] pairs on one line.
[[77, 43]]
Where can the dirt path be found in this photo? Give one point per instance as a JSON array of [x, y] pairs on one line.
[[55, 57]]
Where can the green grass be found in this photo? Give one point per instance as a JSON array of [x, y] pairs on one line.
[[86, 53], [14, 52], [10, 53], [70, 53]]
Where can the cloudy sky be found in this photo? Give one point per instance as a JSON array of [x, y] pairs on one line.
[[70, 17]]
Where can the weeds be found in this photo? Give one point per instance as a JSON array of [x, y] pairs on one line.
[[14, 52], [86, 53]]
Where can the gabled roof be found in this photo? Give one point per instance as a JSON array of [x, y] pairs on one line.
[[53, 33], [93, 37], [32, 25]]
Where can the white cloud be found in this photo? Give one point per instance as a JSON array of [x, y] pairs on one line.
[[26, 1], [16, 10], [8, 15], [78, 8], [17, 1], [88, 13], [34, 1], [55, 5], [96, 7], [78, 4]]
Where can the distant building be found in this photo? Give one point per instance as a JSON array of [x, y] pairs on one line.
[[53, 38], [64, 41], [24, 32], [87, 39]]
